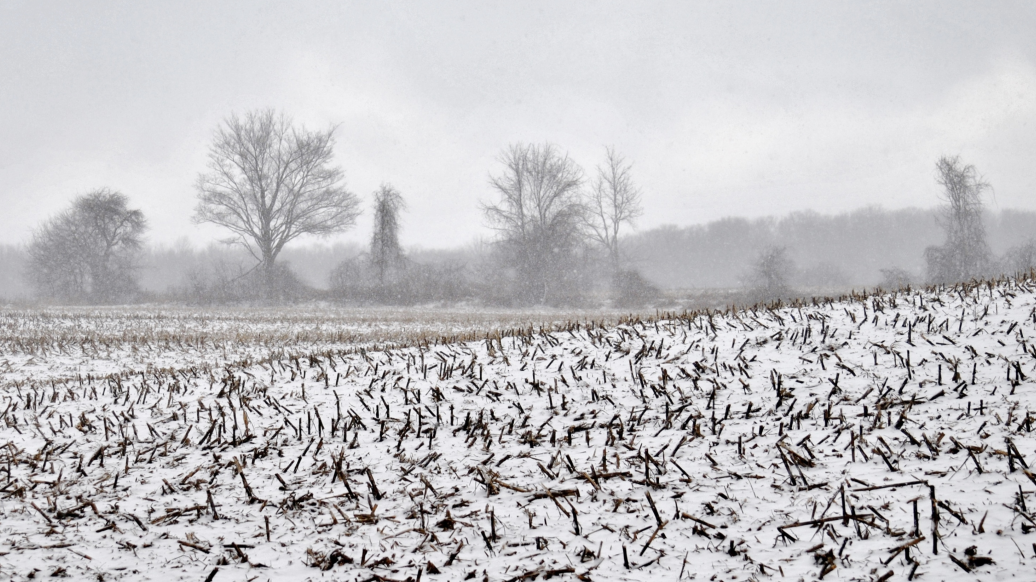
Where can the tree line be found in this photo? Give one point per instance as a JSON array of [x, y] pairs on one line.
[[559, 232], [270, 181], [963, 255]]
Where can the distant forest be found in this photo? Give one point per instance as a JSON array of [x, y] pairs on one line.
[[829, 252]]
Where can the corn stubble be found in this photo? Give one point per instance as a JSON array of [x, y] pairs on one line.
[[878, 437]]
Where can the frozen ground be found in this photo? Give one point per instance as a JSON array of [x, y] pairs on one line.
[[880, 438]]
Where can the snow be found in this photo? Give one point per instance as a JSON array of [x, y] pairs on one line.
[[699, 446], [62, 343]]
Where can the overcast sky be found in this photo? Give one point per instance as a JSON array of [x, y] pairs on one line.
[[725, 108]]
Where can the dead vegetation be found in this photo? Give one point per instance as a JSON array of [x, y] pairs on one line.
[[885, 437]]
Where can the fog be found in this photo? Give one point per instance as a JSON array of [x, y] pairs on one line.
[[830, 254], [799, 130]]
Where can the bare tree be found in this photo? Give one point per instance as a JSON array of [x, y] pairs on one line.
[[895, 278], [768, 278], [965, 253], [614, 201], [270, 182], [1021, 259], [538, 218], [385, 251], [89, 251]]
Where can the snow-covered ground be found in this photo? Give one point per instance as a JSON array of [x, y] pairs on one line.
[[877, 438], [60, 343]]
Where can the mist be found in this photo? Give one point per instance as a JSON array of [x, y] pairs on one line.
[[740, 130], [830, 254]]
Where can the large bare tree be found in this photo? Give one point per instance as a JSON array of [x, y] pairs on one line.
[[614, 202], [88, 252], [270, 182], [539, 217], [965, 253]]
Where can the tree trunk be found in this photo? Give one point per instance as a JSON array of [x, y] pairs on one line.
[[268, 278]]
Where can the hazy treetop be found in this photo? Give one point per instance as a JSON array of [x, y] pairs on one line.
[[755, 108]]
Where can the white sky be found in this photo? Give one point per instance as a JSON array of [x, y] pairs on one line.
[[736, 108]]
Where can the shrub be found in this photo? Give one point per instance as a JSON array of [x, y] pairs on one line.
[[631, 289], [895, 278], [769, 276]]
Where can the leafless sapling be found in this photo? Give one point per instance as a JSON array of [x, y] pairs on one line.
[[614, 201]]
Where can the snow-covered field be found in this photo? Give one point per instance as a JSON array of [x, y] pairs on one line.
[[62, 343], [878, 438]]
